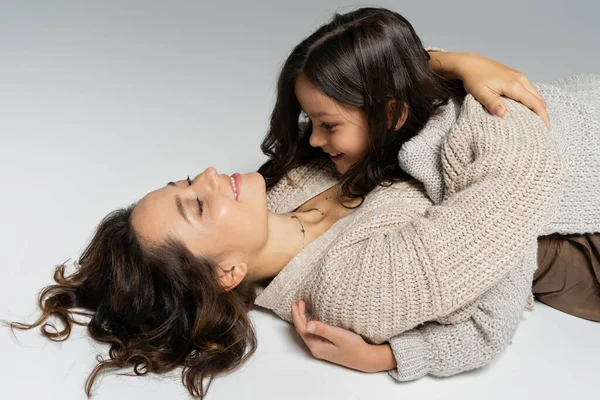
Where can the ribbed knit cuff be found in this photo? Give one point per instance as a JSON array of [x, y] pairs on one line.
[[412, 356]]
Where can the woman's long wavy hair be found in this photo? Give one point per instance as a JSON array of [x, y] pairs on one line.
[[159, 307], [363, 59]]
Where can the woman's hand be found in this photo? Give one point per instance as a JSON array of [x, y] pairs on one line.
[[340, 346], [487, 80]]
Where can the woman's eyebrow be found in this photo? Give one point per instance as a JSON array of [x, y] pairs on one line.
[[181, 209], [179, 204]]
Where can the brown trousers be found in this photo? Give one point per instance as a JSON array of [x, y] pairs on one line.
[[568, 274]]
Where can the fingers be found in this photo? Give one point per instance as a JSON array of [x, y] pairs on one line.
[[519, 92], [333, 334], [306, 328], [298, 321], [318, 346], [301, 313], [525, 82], [302, 310], [491, 101]]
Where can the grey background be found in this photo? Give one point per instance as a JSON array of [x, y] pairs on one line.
[[101, 102]]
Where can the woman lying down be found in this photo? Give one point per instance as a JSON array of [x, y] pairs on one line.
[[400, 222]]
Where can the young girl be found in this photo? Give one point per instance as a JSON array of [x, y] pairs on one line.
[[352, 70], [183, 262]]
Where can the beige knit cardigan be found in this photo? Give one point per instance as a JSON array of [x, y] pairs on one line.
[[400, 261], [573, 103]]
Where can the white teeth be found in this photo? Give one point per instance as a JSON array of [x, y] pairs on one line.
[[234, 187], [334, 154]]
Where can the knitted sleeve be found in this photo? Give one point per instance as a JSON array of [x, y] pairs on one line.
[[502, 178], [444, 350]]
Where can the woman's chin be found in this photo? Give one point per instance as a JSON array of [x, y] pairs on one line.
[[257, 187]]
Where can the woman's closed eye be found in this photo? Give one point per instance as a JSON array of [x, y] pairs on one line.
[[200, 203]]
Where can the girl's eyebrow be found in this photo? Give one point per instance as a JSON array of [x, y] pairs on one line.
[[322, 114]]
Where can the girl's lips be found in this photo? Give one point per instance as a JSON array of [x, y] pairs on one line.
[[237, 178], [334, 159]]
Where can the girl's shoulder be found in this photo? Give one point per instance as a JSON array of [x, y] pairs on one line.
[[392, 205], [299, 184], [473, 112], [408, 193]]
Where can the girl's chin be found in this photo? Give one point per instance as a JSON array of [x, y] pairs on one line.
[[341, 167]]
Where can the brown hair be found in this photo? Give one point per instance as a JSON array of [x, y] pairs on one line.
[[363, 59], [159, 307]]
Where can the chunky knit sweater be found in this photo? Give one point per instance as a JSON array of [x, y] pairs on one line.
[[400, 268], [573, 103]]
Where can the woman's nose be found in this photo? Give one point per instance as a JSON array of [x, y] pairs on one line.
[[316, 139], [211, 176], [211, 171]]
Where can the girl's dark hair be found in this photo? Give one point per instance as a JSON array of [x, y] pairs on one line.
[[158, 306], [362, 58]]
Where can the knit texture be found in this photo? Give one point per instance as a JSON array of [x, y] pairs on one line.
[[573, 105], [399, 261], [444, 350]]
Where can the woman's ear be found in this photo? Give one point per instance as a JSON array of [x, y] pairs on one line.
[[391, 109], [233, 276]]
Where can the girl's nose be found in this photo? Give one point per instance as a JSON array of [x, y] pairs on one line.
[[317, 139]]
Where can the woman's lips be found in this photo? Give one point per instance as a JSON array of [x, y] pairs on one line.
[[232, 186], [237, 178]]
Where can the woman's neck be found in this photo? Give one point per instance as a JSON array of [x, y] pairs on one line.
[[289, 233], [286, 239]]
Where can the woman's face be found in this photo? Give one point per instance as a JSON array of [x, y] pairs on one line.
[[210, 214], [338, 130]]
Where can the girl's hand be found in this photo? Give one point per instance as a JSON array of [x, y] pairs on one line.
[[487, 80], [337, 345]]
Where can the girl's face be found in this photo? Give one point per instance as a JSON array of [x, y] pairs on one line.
[[210, 214], [339, 130]]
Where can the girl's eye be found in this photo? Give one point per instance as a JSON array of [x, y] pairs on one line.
[[329, 127], [200, 203]]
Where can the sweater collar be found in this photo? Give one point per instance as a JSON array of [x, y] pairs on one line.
[[420, 156]]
